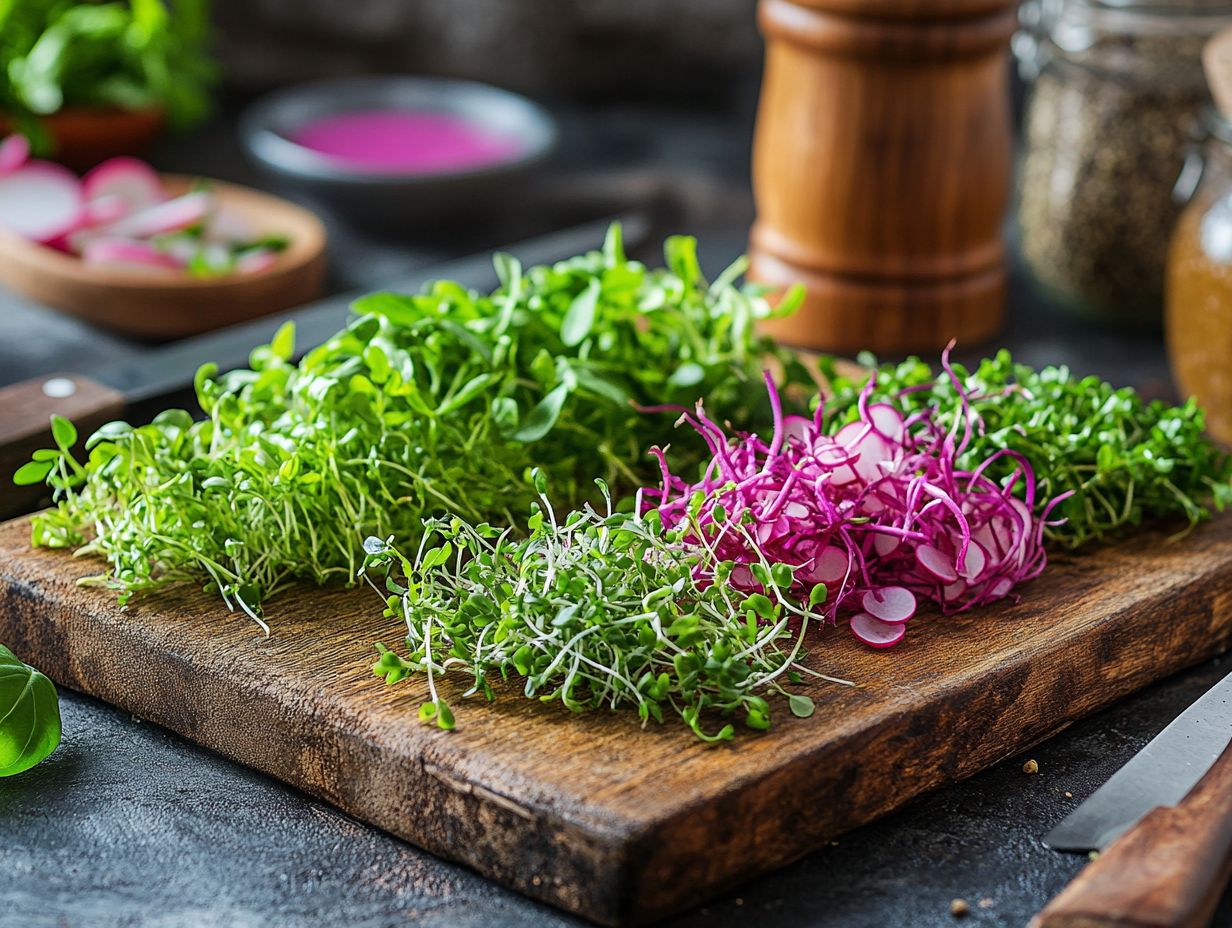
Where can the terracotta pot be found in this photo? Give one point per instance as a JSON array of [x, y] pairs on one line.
[[882, 169], [84, 136]]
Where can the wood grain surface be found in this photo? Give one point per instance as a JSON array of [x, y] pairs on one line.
[[591, 813]]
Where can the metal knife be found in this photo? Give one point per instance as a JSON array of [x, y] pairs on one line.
[[1163, 826], [90, 398]]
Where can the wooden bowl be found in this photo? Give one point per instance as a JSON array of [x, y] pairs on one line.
[[158, 305], [82, 136]]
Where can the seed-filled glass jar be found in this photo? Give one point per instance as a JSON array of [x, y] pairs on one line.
[[1199, 286], [1118, 90]]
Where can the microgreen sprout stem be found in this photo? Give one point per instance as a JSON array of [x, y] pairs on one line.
[[598, 610]]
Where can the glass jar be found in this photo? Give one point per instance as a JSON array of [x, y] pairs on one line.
[[1117, 90], [1199, 285]]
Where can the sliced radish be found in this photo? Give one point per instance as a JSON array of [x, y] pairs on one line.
[[884, 544], [831, 565], [951, 592], [874, 451], [1001, 587], [171, 216], [797, 427], [261, 260], [851, 433], [41, 201], [936, 563], [128, 254], [875, 633], [892, 604], [975, 562], [14, 152], [228, 226], [742, 578], [887, 421], [106, 210], [131, 179]]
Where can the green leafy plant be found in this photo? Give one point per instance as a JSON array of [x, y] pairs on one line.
[[1125, 460], [29, 715], [600, 610], [439, 402], [131, 54]]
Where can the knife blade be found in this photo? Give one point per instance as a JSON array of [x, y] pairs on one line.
[[135, 386], [1161, 774]]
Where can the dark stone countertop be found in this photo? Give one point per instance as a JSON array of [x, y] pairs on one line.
[[128, 826]]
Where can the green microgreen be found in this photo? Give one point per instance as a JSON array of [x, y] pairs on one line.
[[599, 609], [439, 402]]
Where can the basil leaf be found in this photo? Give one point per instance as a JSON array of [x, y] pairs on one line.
[[29, 715]]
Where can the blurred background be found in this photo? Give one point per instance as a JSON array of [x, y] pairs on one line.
[[986, 170]]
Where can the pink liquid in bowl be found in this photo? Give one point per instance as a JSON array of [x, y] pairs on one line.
[[411, 141]]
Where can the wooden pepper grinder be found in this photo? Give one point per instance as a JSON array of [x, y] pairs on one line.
[[881, 169]]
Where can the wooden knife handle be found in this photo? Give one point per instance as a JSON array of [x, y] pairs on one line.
[[25, 424], [1168, 871]]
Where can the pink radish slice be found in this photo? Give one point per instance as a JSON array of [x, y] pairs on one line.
[[886, 420], [14, 152], [936, 563], [41, 201], [873, 450], [1001, 587], [875, 633], [830, 566], [975, 562], [171, 216], [851, 433], [892, 604], [106, 210], [228, 225], [797, 427], [123, 253], [885, 545], [131, 179], [952, 591], [791, 510], [742, 577]]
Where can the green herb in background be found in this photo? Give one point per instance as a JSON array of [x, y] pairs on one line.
[[441, 402], [29, 715], [600, 610], [130, 54], [1127, 461]]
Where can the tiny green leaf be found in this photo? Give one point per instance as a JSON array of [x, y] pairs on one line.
[[818, 594], [801, 706], [580, 316], [64, 432], [283, 343], [32, 472], [539, 421]]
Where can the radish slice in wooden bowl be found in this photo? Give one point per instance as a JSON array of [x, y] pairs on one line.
[[41, 201]]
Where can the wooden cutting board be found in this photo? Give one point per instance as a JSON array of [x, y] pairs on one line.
[[591, 813]]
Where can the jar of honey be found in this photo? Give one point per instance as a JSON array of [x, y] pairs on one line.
[[1198, 312]]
